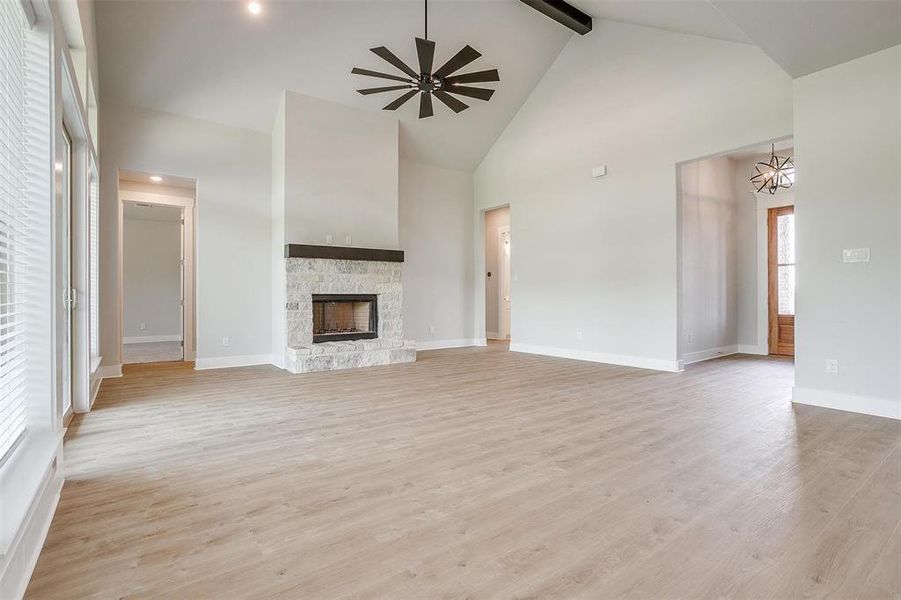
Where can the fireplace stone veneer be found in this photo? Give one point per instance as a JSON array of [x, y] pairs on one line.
[[305, 277]]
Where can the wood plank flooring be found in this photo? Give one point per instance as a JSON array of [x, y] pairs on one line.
[[474, 473]]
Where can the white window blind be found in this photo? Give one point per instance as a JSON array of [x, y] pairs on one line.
[[94, 283], [14, 233]]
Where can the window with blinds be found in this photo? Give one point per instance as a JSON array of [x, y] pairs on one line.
[[14, 232], [94, 283]]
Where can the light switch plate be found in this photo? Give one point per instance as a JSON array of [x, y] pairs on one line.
[[856, 255], [599, 171]]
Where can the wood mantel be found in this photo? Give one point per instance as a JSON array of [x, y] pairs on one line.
[[343, 253]]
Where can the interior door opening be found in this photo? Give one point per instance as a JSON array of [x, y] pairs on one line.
[[498, 295], [157, 274]]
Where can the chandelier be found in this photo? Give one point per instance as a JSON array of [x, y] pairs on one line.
[[778, 172]]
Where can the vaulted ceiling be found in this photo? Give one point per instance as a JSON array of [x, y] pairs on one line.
[[212, 60]]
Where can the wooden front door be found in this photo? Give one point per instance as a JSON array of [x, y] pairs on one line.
[[781, 252]]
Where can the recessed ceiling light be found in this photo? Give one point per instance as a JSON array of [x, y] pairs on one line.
[[254, 7], [155, 178]]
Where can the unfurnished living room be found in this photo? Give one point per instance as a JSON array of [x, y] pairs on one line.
[[450, 299]]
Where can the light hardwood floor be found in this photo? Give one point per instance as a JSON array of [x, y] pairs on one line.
[[474, 473]]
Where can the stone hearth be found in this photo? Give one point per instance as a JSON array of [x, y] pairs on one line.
[[307, 276]]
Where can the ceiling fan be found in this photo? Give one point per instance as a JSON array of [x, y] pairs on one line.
[[440, 83]]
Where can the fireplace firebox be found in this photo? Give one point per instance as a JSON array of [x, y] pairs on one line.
[[339, 317]]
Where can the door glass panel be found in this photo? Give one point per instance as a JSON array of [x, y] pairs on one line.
[[786, 239], [787, 289], [785, 261]]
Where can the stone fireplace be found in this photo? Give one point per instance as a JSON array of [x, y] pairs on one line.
[[344, 308]]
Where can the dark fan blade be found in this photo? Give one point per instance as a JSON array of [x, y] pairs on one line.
[[386, 54], [369, 73], [425, 105], [390, 88], [459, 60], [480, 93], [397, 103], [426, 51], [451, 102], [477, 77]]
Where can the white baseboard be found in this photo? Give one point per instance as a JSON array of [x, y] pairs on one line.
[[95, 389], [640, 362], [225, 362], [19, 559], [494, 335], [701, 355], [868, 405], [108, 371], [753, 349], [480, 342], [437, 344], [146, 339]]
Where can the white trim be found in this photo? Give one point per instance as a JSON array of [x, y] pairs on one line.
[[225, 362], [868, 405], [95, 389], [753, 349], [109, 371], [147, 339], [702, 355], [19, 563], [438, 344], [639, 362], [30, 483]]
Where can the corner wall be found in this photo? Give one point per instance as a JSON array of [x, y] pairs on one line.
[[232, 170], [848, 195], [437, 238], [599, 256]]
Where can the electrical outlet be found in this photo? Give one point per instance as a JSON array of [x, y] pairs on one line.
[[226, 342], [578, 334], [348, 240], [328, 239], [691, 337], [431, 329], [831, 365], [143, 326]]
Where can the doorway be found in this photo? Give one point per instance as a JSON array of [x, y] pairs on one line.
[[781, 280], [497, 274], [731, 256], [156, 268]]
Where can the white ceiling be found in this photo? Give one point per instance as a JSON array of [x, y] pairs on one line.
[[169, 181], [213, 60], [698, 17], [804, 36]]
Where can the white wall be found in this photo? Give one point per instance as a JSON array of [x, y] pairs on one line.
[[599, 256], [152, 273], [494, 221], [436, 235], [232, 169], [277, 237], [341, 174], [709, 251], [848, 195]]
